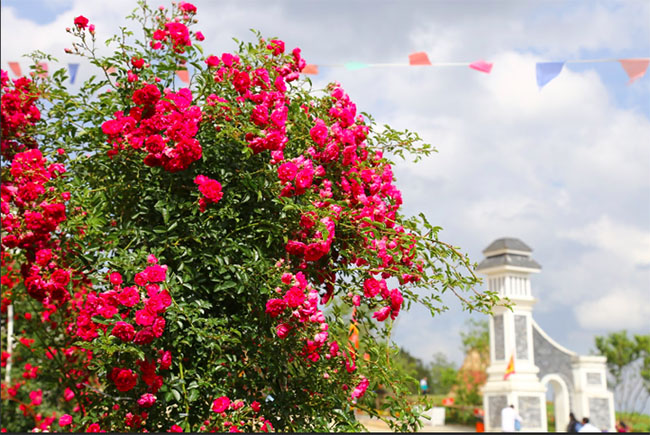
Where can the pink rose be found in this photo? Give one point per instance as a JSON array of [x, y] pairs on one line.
[[294, 297], [68, 394], [147, 400], [65, 420], [144, 317], [275, 307], [187, 7], [282, 330], [115, 278], [220, 404], [304, 178], [212, 61], [287, 171], [319, 132], [158, 326], [129, 296], [382, 314]]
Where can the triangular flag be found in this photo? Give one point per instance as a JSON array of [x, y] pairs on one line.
[[419, 58], [73, 67], [354, 336], [110, 69], [43, 66], [355, 65], [547, 71], [510, 369], [184, 75], [635, 68], [481, 65], [310, 69], [15, 68]]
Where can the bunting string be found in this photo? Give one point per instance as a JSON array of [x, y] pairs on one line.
[[635, 68]]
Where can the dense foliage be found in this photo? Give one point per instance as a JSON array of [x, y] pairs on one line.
[[192, 258], [628, 363]]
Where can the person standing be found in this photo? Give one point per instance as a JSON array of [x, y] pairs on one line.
[[508, 418], [574, 425], [588, 427]]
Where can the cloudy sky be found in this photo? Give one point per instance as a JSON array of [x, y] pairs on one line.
[[565, 169]]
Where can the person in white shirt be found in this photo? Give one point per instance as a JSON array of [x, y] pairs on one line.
[[588, 427], [508, 417]]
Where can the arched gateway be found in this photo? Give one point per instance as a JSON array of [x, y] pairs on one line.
[[578, 383]]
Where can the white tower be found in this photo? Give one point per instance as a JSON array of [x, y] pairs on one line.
[[508, 264]]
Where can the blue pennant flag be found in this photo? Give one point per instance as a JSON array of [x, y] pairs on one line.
[[73, 67], [547, 71], [352, 66]]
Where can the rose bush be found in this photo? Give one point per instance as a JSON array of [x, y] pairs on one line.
[[192, 258]]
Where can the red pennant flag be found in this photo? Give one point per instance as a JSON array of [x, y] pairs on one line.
[[481, 65], [43, 66], [635, 68], [310, 69], [419, 58], [510, 369], [184, 75], [15, 68]]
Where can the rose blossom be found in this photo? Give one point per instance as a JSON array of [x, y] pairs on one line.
[[81, 22], [124, 379], [147, 400], [220, 404], [124, 331], [65, 420]]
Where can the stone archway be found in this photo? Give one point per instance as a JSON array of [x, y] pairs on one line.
[[560, 400]]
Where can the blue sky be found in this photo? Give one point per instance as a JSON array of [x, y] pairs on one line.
[[565, 169]]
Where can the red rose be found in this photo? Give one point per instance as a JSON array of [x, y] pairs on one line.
[[144, 336], [124, 379], [81, 22], [124, 331], [158, 326], [212, 61], [275, 307], [115, 278], [61, 277]]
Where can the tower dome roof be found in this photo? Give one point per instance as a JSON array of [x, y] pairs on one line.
[[508, 251], [507, 244]]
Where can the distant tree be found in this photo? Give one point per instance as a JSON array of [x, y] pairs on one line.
[[413, 367], [476, 337], [628, 362], [443, 374]]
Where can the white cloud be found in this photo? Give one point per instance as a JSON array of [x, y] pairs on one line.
[[627, 242], [621, 308]]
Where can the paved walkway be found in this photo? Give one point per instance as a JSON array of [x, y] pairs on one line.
[[376, 425]]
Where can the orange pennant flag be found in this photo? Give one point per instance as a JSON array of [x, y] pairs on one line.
[[43, 66], [15, 68], [310, 69], [184, 75], [419, 58], [354, 336], [510, 369], [635, 68]]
